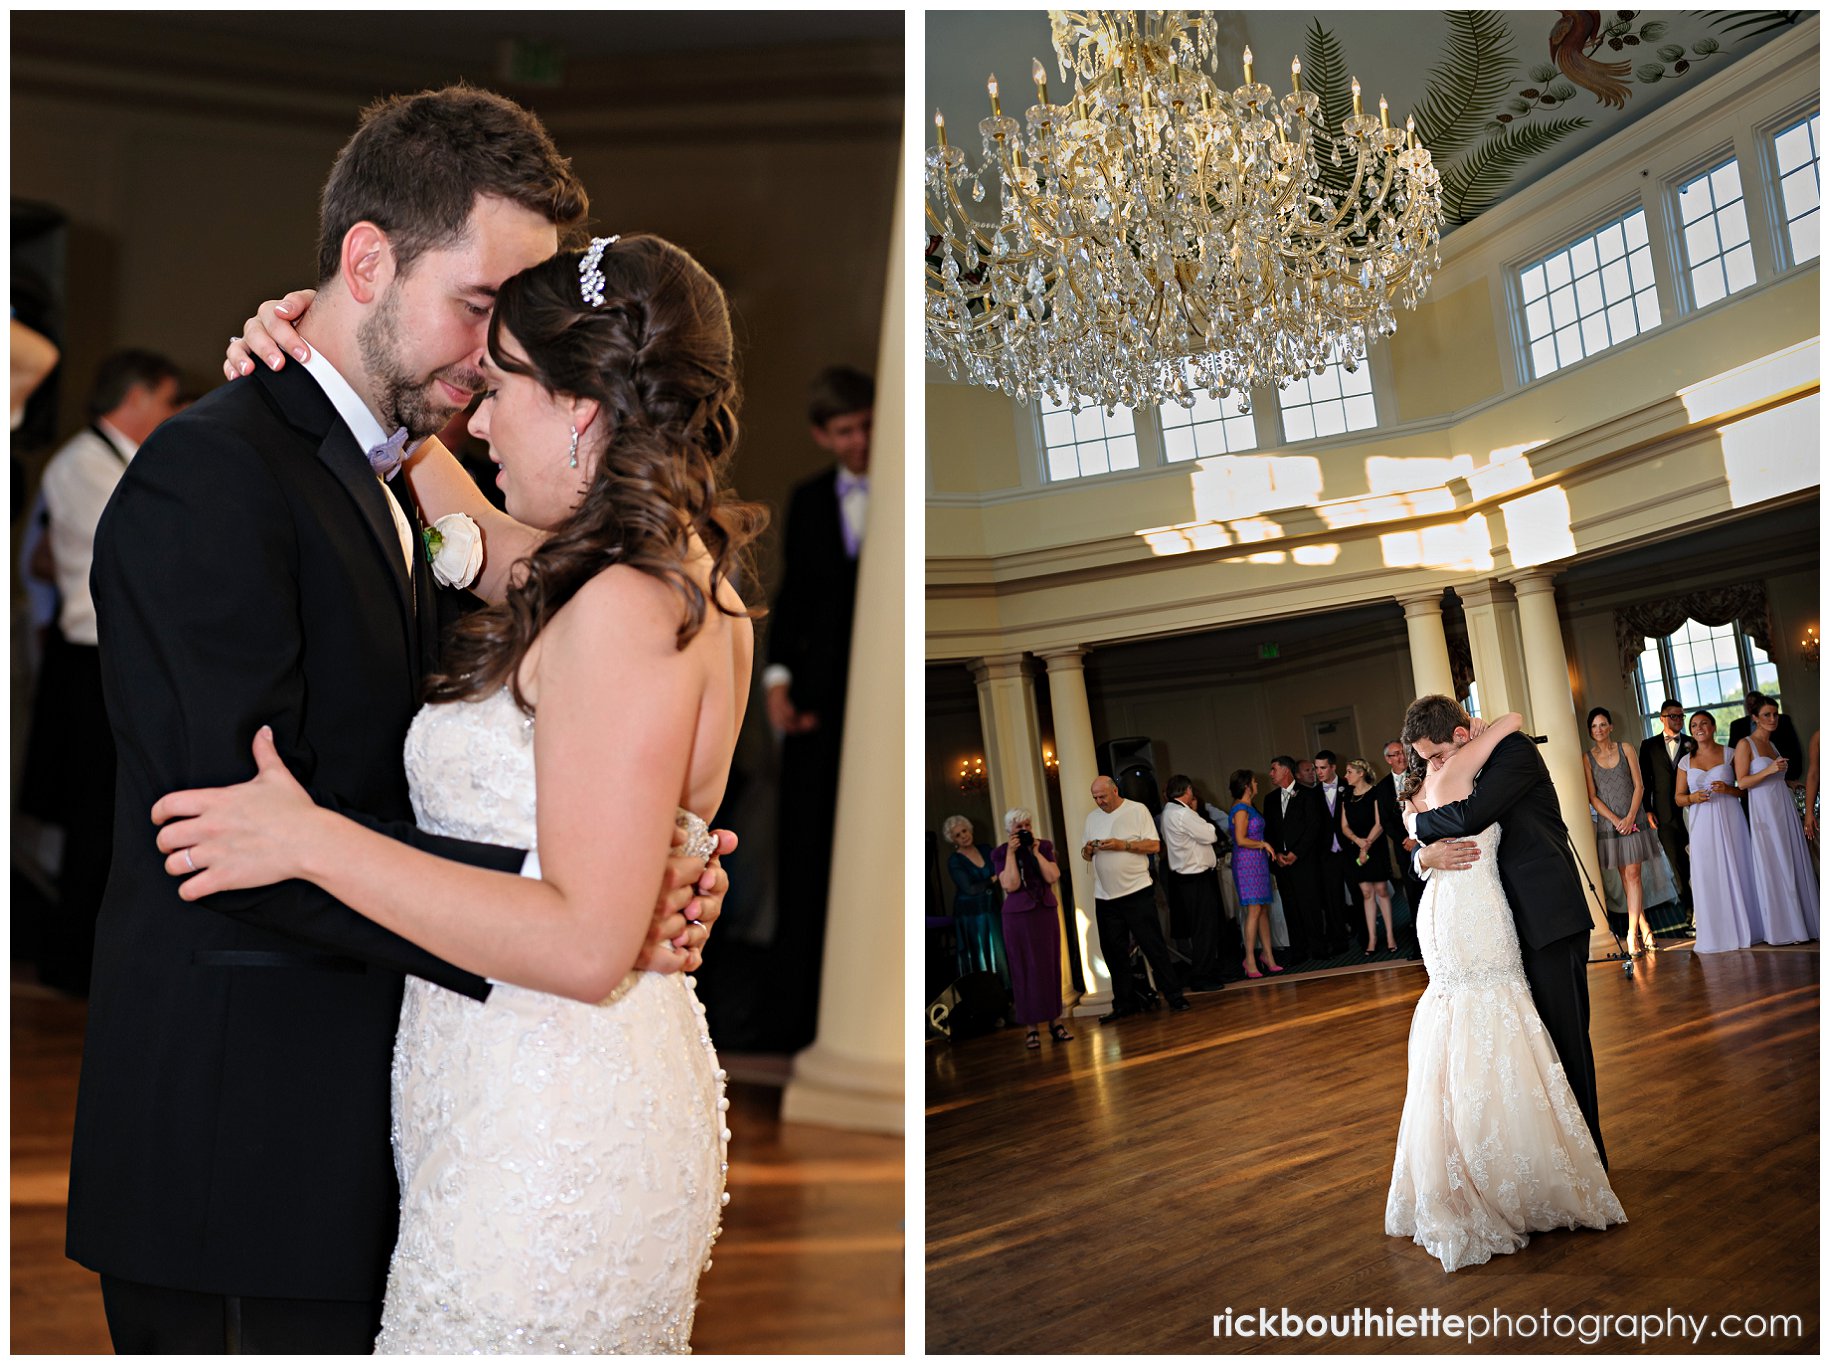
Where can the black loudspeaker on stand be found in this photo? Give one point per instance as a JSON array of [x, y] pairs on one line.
[[972, 1005], [1131, 764]]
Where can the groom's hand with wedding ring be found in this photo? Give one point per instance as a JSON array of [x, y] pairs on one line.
[[269, 335], [1450, 855]]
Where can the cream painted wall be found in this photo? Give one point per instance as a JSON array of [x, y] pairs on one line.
[[1446, 356]]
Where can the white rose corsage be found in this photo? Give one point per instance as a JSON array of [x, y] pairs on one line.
[[454, 549]]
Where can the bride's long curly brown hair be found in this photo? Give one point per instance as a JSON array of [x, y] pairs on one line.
[[657, 356]]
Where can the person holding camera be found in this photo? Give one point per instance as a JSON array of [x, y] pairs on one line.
[[1120, 837], [1026, 869]]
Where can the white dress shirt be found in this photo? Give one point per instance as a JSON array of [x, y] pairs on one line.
[[1188, 840], [78, 482]]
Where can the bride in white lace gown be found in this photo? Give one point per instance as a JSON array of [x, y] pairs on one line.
[[560, 1145], [1491, 1147]]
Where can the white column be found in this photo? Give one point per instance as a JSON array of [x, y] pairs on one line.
[[1074, 751], [1553, 712], [851, 1076], [1493, 639], [1430, 671], [1013, 741]]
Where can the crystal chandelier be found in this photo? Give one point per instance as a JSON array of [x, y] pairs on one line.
[[1157, 235]]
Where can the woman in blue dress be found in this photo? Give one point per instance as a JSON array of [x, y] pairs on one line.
[[979, 939], [1252, 871]]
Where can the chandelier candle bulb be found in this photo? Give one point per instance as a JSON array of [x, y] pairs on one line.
[[1248, 66], [1040, 77], [1384, 118], [940, 127], [1296, 75], [991, 88], [1356, 99]]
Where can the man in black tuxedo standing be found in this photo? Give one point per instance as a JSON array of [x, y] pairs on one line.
[[1294, 827], [1391, 821], [1537, 870], [1658, 760], [809, 659], [1338, 866], [231, 1177]]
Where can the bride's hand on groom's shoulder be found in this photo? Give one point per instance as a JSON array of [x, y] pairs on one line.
[[269, 336], [229, 838]]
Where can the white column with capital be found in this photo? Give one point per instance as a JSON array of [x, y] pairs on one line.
[[1430, 671], [1553, 712], [1079, 764], [1493, 639], [1013, 740], [851, 1076]]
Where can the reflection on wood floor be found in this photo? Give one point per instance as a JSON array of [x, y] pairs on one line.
[[810, 1260], [1118, 1192]]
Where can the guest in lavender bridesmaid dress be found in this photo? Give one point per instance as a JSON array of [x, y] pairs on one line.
[[1721, 853], [1027, 871], [1785, 884], [1252, 872]]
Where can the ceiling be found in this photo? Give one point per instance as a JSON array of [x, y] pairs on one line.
[[1539, 104]]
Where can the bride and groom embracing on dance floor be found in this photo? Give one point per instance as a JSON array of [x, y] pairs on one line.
[[489, 942], [1501, 1134]]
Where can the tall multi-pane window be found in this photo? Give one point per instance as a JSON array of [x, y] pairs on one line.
[[1329, 403], [1795, 149], [1206, 429], [1712, 214], [1087, 442], [1590, 295], [1707, 668]]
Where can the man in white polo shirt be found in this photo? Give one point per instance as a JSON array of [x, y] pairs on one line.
[[1120, 837]]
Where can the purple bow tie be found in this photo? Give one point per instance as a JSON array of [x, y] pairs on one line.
[[387, 457]]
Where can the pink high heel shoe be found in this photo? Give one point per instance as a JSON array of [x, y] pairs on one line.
[[1271, 967], [1251, 975]]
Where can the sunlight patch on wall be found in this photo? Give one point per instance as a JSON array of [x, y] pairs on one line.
[[1538, 527], [1506, 469], [1266, 557], [1771, 453], [1753, 382], [1350, 512], [1315, 556], [1209, 535], [1465, 545], [1390, 474], [1231, 486]]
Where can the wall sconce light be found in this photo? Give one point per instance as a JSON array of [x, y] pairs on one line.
[[972, 774], [1807, 647], [1050, 764]]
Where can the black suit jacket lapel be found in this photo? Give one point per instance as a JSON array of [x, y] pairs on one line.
[[307, 407]]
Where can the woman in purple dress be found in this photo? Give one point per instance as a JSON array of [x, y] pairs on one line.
[[1785, 884], [1252, 871], [1027, 871], [1721, 854]]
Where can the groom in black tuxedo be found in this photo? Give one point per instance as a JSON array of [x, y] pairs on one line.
[[231, 1178], [1537, 870]]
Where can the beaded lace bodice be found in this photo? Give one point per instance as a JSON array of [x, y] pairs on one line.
[[561, 1164], [1492, 1146]]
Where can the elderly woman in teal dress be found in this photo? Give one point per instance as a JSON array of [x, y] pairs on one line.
[[976, 928]]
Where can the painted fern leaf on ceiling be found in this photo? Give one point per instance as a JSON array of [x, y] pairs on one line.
[[1467, 86], [1477, 181]]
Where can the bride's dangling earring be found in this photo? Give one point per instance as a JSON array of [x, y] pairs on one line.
[[572, 454]]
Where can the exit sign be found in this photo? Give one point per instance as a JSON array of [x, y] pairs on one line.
[[1267, 651]]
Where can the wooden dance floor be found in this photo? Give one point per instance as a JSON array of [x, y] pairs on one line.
[[810, 1259], [1119, 1192]]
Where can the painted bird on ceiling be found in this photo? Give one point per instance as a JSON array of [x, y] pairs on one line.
[[1577, 34]]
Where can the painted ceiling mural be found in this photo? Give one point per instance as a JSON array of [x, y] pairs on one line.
[[1501, 98]]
